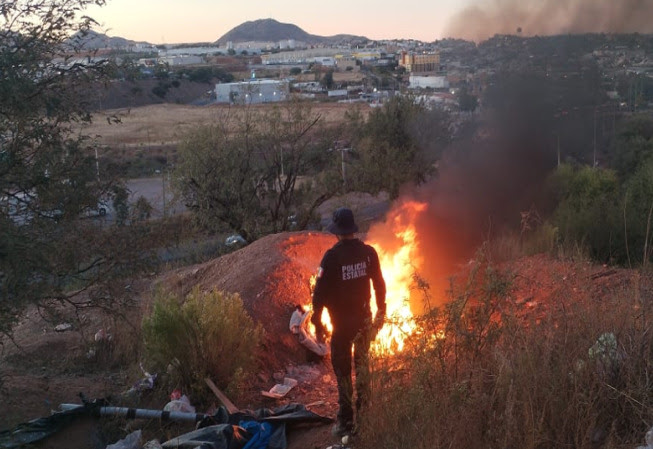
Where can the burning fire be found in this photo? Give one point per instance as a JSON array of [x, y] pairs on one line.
[[396, 244]]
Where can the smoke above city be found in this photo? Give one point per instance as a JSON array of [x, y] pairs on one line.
[[548, 17]]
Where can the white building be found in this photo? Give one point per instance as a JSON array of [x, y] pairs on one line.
[[181, 60], [424, 81], [325, 61], [252, 91]]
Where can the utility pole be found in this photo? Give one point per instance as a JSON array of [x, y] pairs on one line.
[[97, 165], [594, 162], [344, 167], [163, 183], [343, 164]]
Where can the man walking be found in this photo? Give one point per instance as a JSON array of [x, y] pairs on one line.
[[343, 287]]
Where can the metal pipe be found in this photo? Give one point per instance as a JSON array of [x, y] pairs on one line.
[[139, 413]]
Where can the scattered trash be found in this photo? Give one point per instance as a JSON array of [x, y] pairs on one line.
[[209, 436], [315, 404], [63, 327], [102, 335], [299, 326], [280, 390], [179, 403], [131, 441], [607, 355], [648, 439], [260, 434], [144, 384]]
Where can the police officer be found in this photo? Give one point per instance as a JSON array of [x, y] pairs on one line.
[[343, 287]]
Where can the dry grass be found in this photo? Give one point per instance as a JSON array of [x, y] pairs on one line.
[[165, 124], [576, 376]]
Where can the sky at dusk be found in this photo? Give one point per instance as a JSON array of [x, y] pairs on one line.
[[174, 21], [189, 21]]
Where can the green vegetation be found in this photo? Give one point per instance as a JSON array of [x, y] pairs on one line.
[[398, 144], [206, 75], [48, 173], [250, 179], [208, 334], [608, 212]]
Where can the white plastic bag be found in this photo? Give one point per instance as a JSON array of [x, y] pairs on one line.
[[179, 405], [299, 326]]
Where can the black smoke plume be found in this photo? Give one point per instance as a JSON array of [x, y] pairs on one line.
[[548, 17]]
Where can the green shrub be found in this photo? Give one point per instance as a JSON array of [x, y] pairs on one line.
[[589, 212], [638, 214], [207, 335]]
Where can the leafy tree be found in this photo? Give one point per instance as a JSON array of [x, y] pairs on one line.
[[248, 171], [638, 215], [327, 80], [160, 90], [399, 144], [295, 71], [634, 145], [466, 101], [48, 172], [589, 212]]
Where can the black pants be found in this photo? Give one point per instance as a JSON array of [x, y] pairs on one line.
[[341, 353]]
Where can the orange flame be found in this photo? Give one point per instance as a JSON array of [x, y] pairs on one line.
[[396, 243]]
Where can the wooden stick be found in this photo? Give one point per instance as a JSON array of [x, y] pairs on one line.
[[231, 408]]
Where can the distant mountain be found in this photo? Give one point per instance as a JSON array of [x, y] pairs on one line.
[[269, 30], [93, 40]]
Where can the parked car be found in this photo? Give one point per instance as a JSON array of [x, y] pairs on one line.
[[235, 239]]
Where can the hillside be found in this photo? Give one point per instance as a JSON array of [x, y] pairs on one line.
[[271, 275], [92, 40]]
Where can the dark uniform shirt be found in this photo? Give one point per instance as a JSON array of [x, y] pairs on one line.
[[343, 285]]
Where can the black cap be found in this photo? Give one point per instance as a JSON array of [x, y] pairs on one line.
[[343, 222]]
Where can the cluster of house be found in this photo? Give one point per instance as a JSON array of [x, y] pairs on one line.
[[423, 69]]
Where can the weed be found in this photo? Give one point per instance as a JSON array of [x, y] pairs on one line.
[[208, 335], [482, 371]]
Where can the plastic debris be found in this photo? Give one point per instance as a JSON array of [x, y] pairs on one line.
[[152, 444], [179, 403], [146, 383], [649, 440], [102, 335], [280, 390], [131, 441], [607, 355], [299, 326], [63, 327]]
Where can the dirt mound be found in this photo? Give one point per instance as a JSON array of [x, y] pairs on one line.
[[271, 275], [546, 285]]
